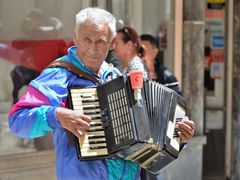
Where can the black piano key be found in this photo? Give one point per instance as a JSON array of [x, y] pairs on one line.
[[95, 118], [89, 100], [90, 107], [96, 142], [89, 113], [97, 147], [94, 130], [96, 137]]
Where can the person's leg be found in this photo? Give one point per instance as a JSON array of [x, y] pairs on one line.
[[17, 83]]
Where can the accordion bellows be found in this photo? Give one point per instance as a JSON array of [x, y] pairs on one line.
[[141, 130]]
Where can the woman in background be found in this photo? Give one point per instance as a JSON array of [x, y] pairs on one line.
[[129, 51]]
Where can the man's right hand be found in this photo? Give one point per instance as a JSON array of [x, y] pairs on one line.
[[73, 121]]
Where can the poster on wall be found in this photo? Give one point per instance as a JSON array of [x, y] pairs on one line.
[[214, 29], [216, 1], [214, 14], [216, 4], [217, 55], [216, 70], [217, 42]]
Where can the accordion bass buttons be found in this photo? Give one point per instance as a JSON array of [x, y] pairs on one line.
[[105, 119]]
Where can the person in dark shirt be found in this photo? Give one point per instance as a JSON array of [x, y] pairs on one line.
[[153, 60], [112, 59]]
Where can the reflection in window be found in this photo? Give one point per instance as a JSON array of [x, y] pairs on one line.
[[102, 4], [30, 39], [120, 9], [161, 27]]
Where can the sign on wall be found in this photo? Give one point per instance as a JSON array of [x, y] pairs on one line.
[[216, 1], [216, 70], [217, 42]]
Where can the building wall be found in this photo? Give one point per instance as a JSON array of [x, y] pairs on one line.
[[235, 161], [189, 164]]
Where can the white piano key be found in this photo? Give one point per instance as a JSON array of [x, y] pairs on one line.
[[97, 152], [88, 146]]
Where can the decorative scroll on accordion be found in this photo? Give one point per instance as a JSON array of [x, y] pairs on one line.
[[140, 130]]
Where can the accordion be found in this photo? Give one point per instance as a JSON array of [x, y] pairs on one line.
[[137, 125]]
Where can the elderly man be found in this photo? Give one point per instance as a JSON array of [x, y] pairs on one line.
[[43, 108]]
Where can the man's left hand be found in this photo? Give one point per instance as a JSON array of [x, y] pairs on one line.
[[186, 129]]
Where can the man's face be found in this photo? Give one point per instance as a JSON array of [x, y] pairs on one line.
[[93, 44], [150, 50]]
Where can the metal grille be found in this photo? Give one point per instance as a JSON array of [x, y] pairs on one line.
[[119, 112]]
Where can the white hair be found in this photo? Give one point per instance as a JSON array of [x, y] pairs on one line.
[[98, 17]]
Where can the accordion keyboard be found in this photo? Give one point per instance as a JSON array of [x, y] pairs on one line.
[[94, 142]]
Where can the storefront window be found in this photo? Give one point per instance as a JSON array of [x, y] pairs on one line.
[[30, 38], [121, 12], [159, 20]]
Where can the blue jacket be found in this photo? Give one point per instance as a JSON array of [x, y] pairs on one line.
[[34, 116]]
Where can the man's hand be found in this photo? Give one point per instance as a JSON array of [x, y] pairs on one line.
[[186, 129], [73, 121]]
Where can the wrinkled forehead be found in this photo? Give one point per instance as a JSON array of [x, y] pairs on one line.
[[99, 28]]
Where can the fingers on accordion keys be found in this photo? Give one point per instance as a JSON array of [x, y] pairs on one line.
[[81, 130], [191, 125], [78, 133], [86, 118], [181, 120]]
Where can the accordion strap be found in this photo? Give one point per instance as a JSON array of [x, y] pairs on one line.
[[70, 67]]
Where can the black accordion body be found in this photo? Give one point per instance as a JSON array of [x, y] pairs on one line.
[[141, 130]]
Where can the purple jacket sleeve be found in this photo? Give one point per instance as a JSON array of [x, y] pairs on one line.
[[34, 114]]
